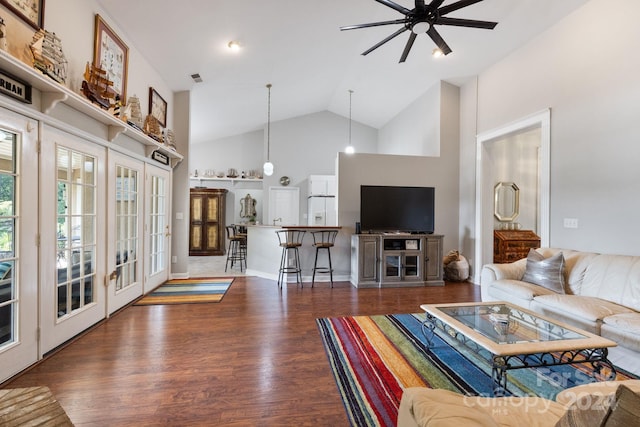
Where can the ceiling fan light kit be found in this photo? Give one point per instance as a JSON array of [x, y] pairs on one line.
[[422, 19]]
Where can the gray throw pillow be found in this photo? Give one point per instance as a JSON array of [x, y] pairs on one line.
[[545, 272]]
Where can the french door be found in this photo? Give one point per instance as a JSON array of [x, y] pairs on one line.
[[125, 225], [157, 226], [72, 220], [18, 250]]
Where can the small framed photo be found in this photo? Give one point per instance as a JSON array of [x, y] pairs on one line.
[[411, 244], [30, 11], [157, 107], [112, 55]]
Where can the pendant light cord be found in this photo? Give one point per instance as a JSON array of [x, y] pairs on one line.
[[350, 94], [268, 120]]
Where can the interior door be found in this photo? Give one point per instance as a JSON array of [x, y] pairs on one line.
[[18, 250], [157, 226], [72, 233], [125, 225]]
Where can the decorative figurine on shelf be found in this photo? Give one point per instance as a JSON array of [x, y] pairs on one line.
[[132, 113], [48, 57], [170, 139], [97, 87], [3, 35], [152, 128], [116, 108]]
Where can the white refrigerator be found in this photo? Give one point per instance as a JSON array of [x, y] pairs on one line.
[[322, 210], [322, 201]]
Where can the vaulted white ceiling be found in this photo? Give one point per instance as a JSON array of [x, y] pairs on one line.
[[297, 46]]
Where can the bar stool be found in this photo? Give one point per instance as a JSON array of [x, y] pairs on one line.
[[324, 239], [290, 240], [237, 248]]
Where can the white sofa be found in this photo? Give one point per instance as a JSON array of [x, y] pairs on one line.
[[602, 295]]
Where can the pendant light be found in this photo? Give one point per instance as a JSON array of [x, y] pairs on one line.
[[267, 168], [350, 149]]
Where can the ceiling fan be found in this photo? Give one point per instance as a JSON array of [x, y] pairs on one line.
[[422, 19]]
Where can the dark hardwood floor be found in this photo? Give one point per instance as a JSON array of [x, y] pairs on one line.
[[254, 359]]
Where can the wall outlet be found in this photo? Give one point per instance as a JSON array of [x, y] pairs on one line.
[[174, 259], [571, 223]]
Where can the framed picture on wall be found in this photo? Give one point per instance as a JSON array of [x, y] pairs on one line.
[[112, 55], [30, 11], [157, 107]]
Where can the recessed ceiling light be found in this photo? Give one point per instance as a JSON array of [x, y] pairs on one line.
[[437, 53], [234, 45]]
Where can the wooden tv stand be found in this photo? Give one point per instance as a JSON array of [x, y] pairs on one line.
[[383, 260]]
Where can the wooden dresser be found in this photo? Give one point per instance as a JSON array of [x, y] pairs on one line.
[[512, 245]]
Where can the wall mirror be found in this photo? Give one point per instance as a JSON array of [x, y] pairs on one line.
[[506, 201]]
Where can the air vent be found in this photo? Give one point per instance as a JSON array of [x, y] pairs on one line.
[[196, 78]]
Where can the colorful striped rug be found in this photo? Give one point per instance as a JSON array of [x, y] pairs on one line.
[[188, 291], [374, 358]]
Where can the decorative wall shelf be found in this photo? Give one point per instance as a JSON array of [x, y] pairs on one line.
[[232, 180], [53, 93]]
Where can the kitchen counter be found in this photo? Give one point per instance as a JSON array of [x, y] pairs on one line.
[[264, 252]]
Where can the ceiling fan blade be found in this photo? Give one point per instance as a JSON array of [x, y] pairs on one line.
[[455, 6], [471, 23], [435, 4], [392, 36], [420, 6], [407, 47], [395, 6], [372, 24], [439, 41]]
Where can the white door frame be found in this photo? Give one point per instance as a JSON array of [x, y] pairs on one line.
[[151, 281], [484, 188]]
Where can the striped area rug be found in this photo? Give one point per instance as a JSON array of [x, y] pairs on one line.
[[374, 358], [188, 291]]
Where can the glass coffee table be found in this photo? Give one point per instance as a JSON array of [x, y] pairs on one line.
[[516, 338]]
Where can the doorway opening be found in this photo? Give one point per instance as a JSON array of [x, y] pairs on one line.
[[518, 153]]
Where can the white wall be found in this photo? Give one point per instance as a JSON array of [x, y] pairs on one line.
[[416, 130], [589, 79], [299, 147]]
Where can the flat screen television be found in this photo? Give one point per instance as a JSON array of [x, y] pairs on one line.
[[397, 209]]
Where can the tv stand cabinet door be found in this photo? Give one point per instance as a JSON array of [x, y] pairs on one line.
[[434, 271], [365, 269]]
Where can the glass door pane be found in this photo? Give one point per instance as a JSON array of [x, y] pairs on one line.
[[158, 225], [411, 266], [76, 230], [126, 231], [9, 301], [392, 265]]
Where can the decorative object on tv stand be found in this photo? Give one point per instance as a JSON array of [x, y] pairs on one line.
[[48, 57], [97, 87], [267, 168], [350, 149]]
